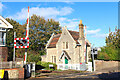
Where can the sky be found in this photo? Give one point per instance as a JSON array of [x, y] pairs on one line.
[[97, 16]]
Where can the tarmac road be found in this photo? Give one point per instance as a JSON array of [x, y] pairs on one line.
[[80, 76]]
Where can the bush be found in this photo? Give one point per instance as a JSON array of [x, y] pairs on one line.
[[34, 58], [46, 65], [109, 53]]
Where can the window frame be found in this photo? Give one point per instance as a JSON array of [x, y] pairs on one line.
[[65, 45], [3, 30]]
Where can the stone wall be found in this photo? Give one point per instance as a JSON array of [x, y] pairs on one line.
[[3, 53], [15, 73], [101, 65]]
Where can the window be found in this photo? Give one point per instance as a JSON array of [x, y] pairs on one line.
[[54, 59], [65, 45], [2, 38]]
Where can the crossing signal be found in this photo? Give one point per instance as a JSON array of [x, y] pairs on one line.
[[21, 42]]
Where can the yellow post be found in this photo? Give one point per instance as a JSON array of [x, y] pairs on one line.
[[1, 73]]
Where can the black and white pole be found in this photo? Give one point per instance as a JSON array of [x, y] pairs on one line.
[[93, 60], [93, 52]]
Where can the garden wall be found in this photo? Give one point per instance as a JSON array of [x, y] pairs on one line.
[[101, 65], [15, 73]]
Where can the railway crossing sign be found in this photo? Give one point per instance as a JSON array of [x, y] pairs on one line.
[[21, 42]]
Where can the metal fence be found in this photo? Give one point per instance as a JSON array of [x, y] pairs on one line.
[[11, 64]]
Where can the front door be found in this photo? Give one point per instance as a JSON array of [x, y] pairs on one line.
[[66, 60]]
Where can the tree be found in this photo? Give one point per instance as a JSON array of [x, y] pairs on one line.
[[112, 48], [10, 36], [40, 31]]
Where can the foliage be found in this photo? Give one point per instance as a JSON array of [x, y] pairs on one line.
[[34, 58], [40, 31], [10, 36], [46, 65], [112, 48]]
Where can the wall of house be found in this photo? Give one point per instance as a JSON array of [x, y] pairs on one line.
[[3, 53], [82, 48], [51, 52], [65, 37], [77, 55]]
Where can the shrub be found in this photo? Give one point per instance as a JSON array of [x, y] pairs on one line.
[[34, 58], [46, 65], [109, 53]]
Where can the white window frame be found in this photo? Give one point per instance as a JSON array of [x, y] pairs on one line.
[[4, 36]]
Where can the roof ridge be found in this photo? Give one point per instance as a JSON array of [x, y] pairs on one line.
[[72, 31]]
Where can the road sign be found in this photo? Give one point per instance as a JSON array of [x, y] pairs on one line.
[[94, 51], [21, 42]]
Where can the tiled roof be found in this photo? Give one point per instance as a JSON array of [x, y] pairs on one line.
[[75, 35], [54, 41], [56, 37]]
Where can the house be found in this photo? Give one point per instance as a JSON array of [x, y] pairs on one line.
[[4, 27], [67, 49]]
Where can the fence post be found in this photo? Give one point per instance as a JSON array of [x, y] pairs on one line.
[[10, 64]]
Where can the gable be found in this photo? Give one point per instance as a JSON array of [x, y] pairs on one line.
[[64, 53], [74, 34], [4, 23]]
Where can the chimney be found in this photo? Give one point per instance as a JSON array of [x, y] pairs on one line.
[[81, 30]]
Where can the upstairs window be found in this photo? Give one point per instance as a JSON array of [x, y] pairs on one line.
[[65, 45], [2, 37]]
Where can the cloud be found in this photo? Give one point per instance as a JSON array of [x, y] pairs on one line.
[[49, 12], [61, 19], [1, 6], [93, 31], [69, 2], [66, 10], [70, 23], [100, 35]]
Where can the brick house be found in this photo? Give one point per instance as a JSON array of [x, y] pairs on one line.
[[67, 48], [4, 26]]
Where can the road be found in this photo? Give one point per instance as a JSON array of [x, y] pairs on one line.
[[79, 76]]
